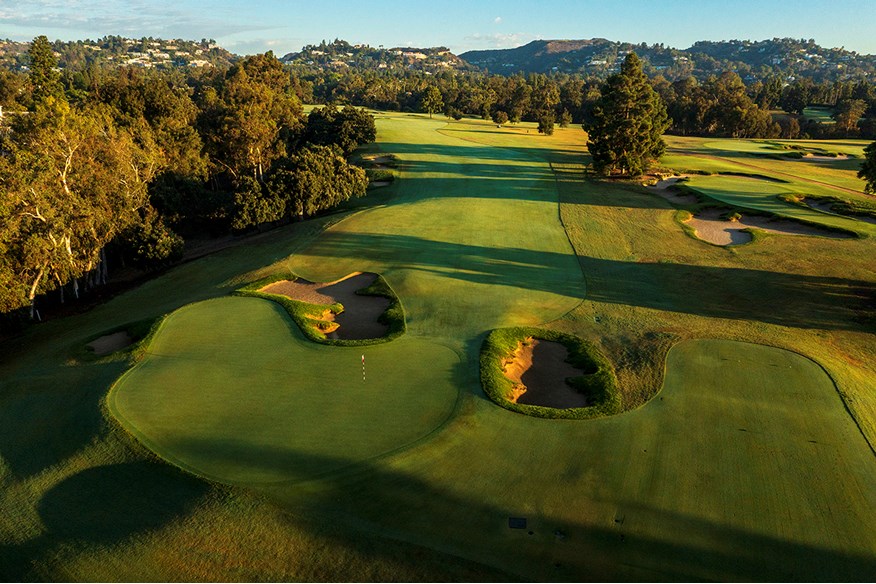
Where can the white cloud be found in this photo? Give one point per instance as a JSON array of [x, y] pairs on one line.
[[500, 40], [497, 20], [85, 18]]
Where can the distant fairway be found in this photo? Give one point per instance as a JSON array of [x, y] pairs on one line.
[[738, 456], [763, 195]]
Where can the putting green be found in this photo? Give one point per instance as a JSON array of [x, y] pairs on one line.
[[231, 391], [746, 466], [763, 195]]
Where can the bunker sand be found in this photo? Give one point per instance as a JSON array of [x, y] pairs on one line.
[[711, 227], [665, 188], [359, 320], [110, 343], [539, 370]]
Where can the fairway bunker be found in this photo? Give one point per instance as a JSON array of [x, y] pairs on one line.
[[539, 370], [668, 189], [711, 226], [361, 314], [110, 343]]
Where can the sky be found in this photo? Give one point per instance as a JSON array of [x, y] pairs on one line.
[[255, 26]]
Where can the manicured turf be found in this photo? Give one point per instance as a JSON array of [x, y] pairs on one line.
[[763, 195], [238, 403], [746, 466]]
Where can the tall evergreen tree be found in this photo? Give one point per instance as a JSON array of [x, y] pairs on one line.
[[868, 169], [44, 79], [627, 123]]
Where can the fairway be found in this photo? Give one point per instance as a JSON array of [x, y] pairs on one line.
[[743, 451], [763, 195], [746, 464]]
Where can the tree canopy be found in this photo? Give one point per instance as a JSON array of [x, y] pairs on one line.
[[627, 123], [868, 169]]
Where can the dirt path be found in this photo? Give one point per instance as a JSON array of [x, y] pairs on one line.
[[359, 318]]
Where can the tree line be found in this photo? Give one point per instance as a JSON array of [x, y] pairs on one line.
[[127, 162], [720, 105]]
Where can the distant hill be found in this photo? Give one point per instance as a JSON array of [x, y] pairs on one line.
[[341, 55], [753, 60], [112, 51]]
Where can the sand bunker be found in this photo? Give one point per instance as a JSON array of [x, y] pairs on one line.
[[359, 319], [711, 227], [665, 189], [811, 156], [539, 370], [110, 343]]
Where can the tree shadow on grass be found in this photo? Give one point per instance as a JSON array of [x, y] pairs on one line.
[[42, 420], [794, 300], [105, 505], [370, 498]]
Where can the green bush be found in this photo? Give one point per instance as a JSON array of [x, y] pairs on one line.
[[598, 381], [308, 316], [379, 174]]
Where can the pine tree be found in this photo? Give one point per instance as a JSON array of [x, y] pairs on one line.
[[45, 81], [627, 123], [868, 169]]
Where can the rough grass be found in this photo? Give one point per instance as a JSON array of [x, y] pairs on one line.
[[749, 467]]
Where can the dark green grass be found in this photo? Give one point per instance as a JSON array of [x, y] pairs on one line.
[[748, 468], [598, 381]]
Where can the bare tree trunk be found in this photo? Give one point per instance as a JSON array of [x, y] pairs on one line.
[[102, 266], [76, 287], [32, 294]]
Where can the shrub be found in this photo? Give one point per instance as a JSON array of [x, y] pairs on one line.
[[598, 380]]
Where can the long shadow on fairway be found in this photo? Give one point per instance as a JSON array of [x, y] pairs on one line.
[[792, 300], [105, 505], [479, 150], [371, 497], [41, 423]]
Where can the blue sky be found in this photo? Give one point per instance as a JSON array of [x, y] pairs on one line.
[[247, 27]]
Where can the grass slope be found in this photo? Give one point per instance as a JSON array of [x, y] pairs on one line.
[[471, 237], [746, 465]]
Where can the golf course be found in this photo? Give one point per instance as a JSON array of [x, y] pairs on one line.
[[225, 444]]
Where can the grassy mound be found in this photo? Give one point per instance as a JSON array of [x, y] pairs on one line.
[[308, 316], [598, 382]]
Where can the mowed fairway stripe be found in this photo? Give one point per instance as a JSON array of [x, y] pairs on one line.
[[231, 391], [746, 466], [473, 240]]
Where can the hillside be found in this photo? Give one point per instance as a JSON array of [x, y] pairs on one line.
[[341, 55], [116, 51], [753, 60]]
